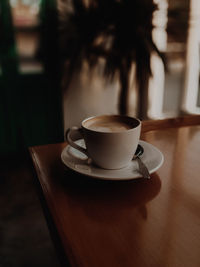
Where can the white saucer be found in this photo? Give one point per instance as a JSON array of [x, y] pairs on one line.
[[77, 161]]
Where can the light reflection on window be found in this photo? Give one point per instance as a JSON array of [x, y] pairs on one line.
[[25, 15], [25, 12], [191, 91]]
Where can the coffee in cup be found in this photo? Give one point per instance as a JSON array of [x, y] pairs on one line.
[[111, 140], [107, 125]]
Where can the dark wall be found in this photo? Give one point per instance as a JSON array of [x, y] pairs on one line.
[[30, 104]]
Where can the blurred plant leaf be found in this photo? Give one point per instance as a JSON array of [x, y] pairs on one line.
[[120, 31]]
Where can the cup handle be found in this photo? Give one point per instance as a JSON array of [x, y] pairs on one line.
[[69, 136]]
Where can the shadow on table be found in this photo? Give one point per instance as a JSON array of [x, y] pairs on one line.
[[108, 200]]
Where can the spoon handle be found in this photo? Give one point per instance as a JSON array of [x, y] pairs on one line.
[[142, 168]]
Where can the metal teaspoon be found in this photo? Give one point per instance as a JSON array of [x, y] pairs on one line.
[[142, 167]]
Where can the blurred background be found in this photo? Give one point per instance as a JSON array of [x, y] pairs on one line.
[[37, 104], [36, 108]]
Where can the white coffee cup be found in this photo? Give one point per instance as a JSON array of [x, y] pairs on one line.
[[111, 140]]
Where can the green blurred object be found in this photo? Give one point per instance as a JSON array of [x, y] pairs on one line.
[[30, 104]]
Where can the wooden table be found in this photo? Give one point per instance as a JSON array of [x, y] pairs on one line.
[[138, 223]]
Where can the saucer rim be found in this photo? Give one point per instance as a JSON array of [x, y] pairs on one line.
[[113, 178]]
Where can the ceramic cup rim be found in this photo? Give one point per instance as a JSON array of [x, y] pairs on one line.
[[110, 116]]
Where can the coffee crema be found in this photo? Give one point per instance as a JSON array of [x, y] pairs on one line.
[[108, 126]]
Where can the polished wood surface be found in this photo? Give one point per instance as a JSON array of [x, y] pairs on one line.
[[138, 223], [151, 125]]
